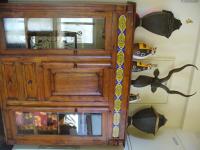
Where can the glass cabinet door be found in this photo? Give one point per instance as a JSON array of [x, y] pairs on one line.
[[58, 123], [54, 33]]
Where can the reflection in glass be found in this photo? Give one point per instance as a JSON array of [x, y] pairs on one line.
[[40, 24], [25, 123], [45, 123], [80, 124], [55, 33], [36, 123], [83, 27], [15, 32]]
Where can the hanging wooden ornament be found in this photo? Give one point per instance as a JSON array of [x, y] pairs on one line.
[[142, 51], [162, 23], [140, 66], [147, 120]]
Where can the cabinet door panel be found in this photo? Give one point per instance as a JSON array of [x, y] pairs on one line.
[[75, 83], [30, 82], [11, 82]]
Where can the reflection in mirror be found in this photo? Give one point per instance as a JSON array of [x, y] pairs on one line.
[[55, 33], [45, 123], [15, 32]]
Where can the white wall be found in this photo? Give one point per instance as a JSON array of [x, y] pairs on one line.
[[192, 114], [181, 46]]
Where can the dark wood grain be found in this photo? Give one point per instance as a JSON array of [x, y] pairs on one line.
[[2, 35]]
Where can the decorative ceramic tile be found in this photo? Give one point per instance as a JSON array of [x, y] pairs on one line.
[[119, 74]]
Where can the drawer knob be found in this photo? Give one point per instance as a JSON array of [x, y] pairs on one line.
[[75, 65], [75, 52], [10, 81], [29, 81]]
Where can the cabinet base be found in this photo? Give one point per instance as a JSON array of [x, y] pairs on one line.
[[116, 142]]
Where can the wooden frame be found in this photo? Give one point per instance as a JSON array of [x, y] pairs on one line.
[[58, 139], [33, 11]]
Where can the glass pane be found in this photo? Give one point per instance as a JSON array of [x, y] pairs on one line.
[[55, 33], [15, 32], [40, 24], [36, 123], [45, 123], [80, 124], [25, 123]]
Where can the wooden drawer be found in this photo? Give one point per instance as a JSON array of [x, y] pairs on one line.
[[76, 81]]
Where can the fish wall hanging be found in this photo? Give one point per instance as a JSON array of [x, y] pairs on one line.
[[134, 97], [142, 51], [162, 23], [139, 66], [147, 120], [155, 82]]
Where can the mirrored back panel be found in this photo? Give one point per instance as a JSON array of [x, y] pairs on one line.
[[54, 33]]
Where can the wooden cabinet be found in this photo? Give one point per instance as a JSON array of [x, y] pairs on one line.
[[65, 72]]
